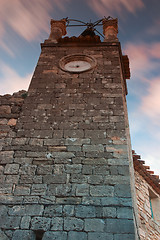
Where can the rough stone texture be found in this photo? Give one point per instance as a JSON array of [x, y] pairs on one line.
[[64, 151], [149, 227]]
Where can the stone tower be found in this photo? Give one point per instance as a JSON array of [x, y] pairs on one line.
[[66, 165]]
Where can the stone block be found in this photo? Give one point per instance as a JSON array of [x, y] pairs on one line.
[[93, 148], [53, 211], [63, 190], [87, 170], [53, 141], [109, 212], [28, 169], [68, 200], [123, 190], [72, 223], [2, 178], [101, 191], [77, 141], [101, 170], [6, 188], [82, 190], [36, 142], [56, 178], [57, 148], [38, 189], [85, 211], [11, 168], [78, 178], [40, 223], [96, 201], [37, 179], [115, 162], [74, 148], [3, 236], [73, 168], [63, 154], [125, 212], [23, 160], [119, 226], [6, 157], [26, 210], [118, 179], [26, 179], [101, 236], [95, 179], [77, 235], [116, 201], [124, 236], [23, 234], [47, 200], [36, 154], [19, 141], [22, 190], [44, 169], [59, 168], [95, 161], [123, 170], [5, 109], [94, 225], [25, 222], [57, 224], [3, 210], [31, 199], [1, 169], [10, 222], [73, 133], [3, 121], [55, 235], [12, 179], [68, 211], [11, 199], [100, 134], [98, 119]]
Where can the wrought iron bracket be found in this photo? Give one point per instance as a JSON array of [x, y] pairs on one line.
[[89, 25]]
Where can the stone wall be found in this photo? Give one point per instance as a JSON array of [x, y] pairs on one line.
[[10, 108], [149, 228], [65, 164]]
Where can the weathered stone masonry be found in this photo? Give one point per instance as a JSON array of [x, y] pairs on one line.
[[65, 167]]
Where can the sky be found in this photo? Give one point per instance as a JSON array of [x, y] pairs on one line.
[[26, 24]]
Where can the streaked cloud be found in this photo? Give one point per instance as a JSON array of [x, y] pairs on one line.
[[28, 19], [11, 81], [150, 105], [154, 28], [145, 62], [145, 137], [143, 58], [145, 88], [108, 7]]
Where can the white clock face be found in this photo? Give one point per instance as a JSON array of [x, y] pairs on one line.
[[77, 63], [77, 66]]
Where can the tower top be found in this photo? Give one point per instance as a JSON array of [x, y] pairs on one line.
[[110, 28]]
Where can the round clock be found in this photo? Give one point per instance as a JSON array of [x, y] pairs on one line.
[[77, 63]]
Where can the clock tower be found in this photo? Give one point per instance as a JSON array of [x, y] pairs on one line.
[[75, 173]]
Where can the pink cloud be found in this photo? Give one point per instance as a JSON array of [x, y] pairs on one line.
[[28, 19], [11, 81], [151, 102], [108, 7], [142, 58], [154, 29]]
